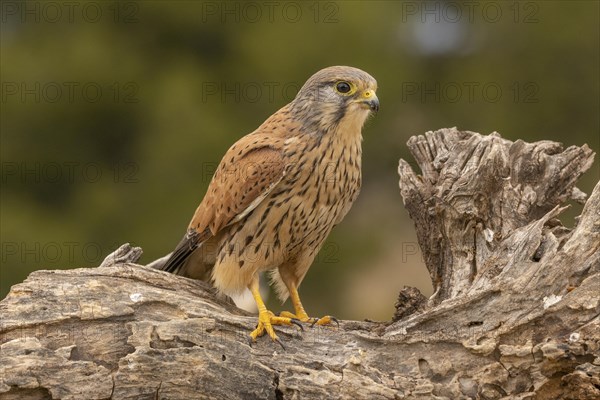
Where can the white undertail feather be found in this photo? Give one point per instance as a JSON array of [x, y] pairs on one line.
[[277, 284]]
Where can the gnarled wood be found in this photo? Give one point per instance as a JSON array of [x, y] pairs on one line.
[[515, 314], [478, 191]]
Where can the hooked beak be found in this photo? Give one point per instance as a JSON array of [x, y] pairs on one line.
[[373, 104], [369, 100]]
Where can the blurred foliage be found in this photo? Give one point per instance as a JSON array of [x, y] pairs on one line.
[[114, 115]]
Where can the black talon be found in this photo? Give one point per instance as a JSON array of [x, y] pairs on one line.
[[297, 322], [315, 320], [281, 344], [250, 341]]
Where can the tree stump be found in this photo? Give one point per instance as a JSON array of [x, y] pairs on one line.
[[515, 313]]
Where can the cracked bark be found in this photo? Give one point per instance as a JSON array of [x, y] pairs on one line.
[[515, 313]]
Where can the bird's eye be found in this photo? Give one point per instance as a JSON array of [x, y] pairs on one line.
[[343, 87]]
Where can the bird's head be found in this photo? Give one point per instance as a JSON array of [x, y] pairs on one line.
[[336, 95]]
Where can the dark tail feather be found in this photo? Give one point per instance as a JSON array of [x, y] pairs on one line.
[[184, 249]]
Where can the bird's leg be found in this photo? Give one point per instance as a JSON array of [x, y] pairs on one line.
[[299, 309], [266, 319]]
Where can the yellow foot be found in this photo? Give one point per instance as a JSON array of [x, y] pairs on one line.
[[326, 320], [266, 320]]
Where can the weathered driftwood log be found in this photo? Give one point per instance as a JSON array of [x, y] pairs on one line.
[[515, 314]]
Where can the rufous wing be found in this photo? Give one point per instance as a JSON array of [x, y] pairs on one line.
[[244, 178]]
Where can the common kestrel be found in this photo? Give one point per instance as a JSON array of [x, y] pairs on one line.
[[278, 192]]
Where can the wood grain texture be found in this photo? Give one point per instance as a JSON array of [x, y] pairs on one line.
[[515, 314]]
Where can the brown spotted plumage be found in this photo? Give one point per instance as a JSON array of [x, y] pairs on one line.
[[279, 191]]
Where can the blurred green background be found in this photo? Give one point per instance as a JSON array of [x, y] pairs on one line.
[[115, 114]]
